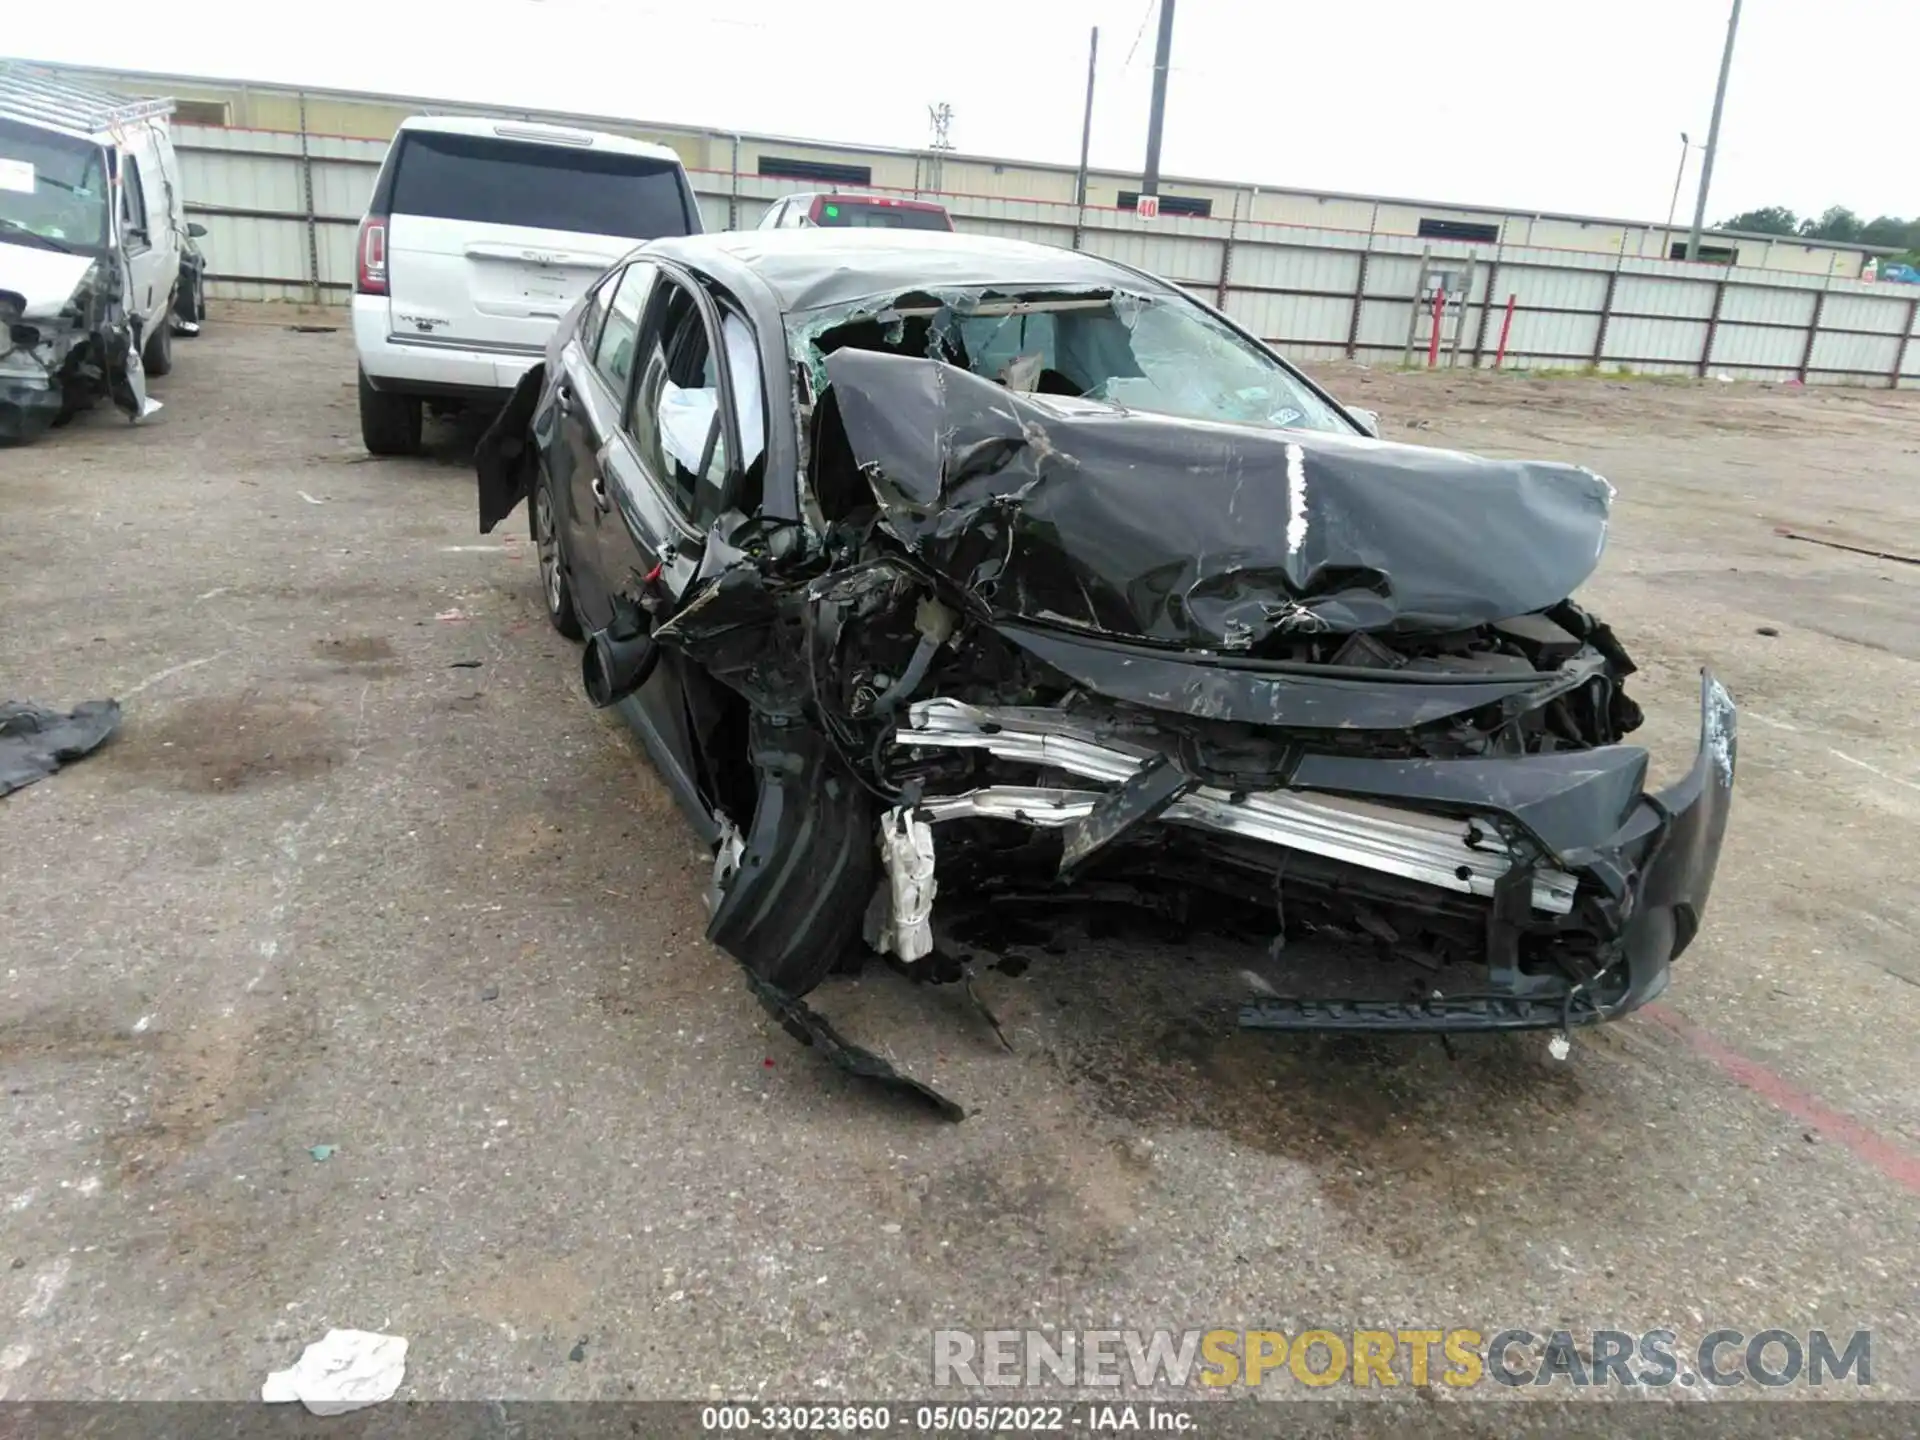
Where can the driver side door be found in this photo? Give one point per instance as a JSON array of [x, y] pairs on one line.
[[589, 399]]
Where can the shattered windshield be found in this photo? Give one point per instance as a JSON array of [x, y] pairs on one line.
[[1159, 353], [52, 186]]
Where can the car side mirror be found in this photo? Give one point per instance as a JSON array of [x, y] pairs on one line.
[[196, 230], [1367, 420]]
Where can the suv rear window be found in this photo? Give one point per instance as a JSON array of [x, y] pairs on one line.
[[549, 187], [863, 215]]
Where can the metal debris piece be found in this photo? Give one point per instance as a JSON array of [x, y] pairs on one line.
[[814, 1030]]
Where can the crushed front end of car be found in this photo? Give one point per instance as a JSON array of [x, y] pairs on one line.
[[66, 341], [1064, 647], [1029, 644]]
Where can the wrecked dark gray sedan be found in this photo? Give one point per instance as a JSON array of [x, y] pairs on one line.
[[933, 563]]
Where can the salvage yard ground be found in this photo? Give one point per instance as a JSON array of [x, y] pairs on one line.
[[363, 870]]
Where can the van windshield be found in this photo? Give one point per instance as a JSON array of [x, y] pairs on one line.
[[52, 186], [550, 187]]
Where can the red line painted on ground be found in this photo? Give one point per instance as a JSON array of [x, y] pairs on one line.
[[1897, 1164]]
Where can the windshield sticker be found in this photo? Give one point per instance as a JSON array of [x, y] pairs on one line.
[[16, 175]]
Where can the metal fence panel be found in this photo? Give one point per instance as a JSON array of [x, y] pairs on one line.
[[1653, 295], [1755, 346], [1188, 261], [1882, 314], [1769, 305], [1292, 321], [1288, 267], [1640, 342], [1844, 358], [280, 210]]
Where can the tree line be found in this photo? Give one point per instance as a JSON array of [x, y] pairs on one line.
[[1835, 223]]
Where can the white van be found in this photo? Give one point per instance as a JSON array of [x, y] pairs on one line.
[[480, 235], [92, 232]]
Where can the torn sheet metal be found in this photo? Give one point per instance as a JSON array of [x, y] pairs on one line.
[[1184, 532], [1138, 800], [35, 741], [813, 1029]]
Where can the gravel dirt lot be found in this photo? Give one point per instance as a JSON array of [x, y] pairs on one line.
[[363, 869]]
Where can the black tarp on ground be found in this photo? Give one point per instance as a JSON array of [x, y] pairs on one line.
[[35, 741]]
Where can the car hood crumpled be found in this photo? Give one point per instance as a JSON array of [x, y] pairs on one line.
[[1205, 535]]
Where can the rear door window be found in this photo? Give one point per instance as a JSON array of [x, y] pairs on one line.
[[613, 355], [490, 181]]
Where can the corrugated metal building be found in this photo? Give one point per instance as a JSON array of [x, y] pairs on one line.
[[802, 164]]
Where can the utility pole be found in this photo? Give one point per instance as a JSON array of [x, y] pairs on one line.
[[1162, 49], [1086, 127], [1713, 135]]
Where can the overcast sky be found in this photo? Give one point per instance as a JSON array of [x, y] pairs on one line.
[[1534, 104]]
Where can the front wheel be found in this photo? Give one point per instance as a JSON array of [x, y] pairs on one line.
[[157, 355], [554, 589], [389, 424]]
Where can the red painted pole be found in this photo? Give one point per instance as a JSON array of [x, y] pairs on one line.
[[1506, 329], [1433, 345]]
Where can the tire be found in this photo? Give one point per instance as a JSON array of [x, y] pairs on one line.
[[389, 424], [156, 357], [196, 305], [555, 593]]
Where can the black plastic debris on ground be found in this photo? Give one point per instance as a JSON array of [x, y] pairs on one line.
[[35, 741], [813, 1030]]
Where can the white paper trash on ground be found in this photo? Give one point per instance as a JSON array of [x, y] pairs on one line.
[[346, 1370]]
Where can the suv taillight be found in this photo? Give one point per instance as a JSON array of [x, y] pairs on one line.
[[371, 278]]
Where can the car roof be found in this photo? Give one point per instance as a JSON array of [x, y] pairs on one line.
[[532, 132], [811, 269]]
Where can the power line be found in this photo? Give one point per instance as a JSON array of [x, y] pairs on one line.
[[1137, 34]]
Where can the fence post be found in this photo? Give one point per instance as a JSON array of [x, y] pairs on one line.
[[1900, 351], [1713, 325], [1606, 316], [1359, 299], [1813, 333], [313, 221], [1226, 256], [733, 190], [1486, 307]]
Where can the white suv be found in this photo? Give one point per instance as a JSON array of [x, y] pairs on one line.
[[480, 235]]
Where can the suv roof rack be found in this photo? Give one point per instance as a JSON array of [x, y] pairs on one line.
[[39, 97]]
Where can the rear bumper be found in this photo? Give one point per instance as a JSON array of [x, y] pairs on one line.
[[422, 365]]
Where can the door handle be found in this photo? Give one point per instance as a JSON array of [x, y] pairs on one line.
[[599, 487]]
